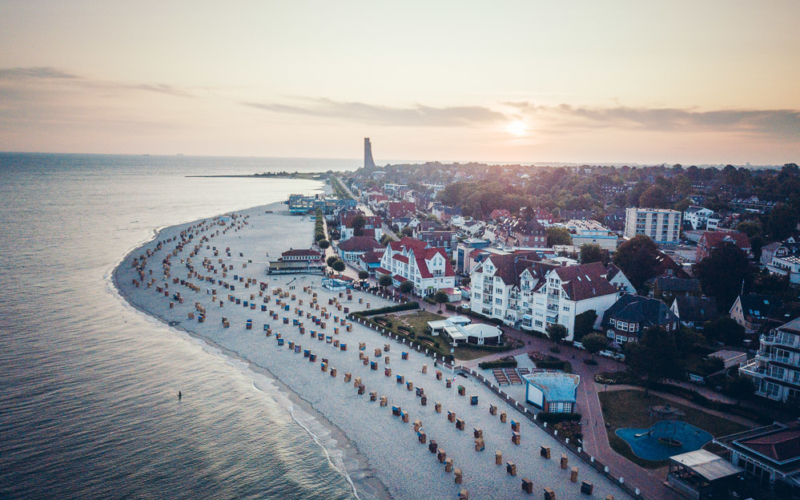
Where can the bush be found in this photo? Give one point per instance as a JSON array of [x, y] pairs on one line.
[[590, 362], [407, 306], [500, 363], [472, 314], [555, 350], [554, 418]]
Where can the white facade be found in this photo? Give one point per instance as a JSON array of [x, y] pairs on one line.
[[428, 268], [783, 266], [536, 302], [661, 225], [697, 217], [776, 368]]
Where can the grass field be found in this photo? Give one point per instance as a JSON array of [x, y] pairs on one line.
[[629, 409]]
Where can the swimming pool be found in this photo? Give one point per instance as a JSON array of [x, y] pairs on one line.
[[647, 445]]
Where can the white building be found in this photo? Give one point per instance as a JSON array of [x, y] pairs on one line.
[[786, 266], [663, 226], [428, 268], [775, 371], [520, 291], [592, 232], [697, 217]]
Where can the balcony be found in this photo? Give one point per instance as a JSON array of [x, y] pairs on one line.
[[753, 369], [487, 301], [486, 312], [767, 357], [552, 296], [552, 319], [779, 340]]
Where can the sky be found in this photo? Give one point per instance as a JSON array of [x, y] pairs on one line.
[[711, 82]]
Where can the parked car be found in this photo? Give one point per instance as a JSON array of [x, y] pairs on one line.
[[578, 345]]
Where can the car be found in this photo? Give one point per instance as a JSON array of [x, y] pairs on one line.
[[578, 345]]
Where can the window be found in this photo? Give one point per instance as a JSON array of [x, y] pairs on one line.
[[538, 323], [566, 308], [498, 301], [476, 295]]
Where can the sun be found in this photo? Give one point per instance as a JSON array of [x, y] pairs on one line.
[[517, 128]]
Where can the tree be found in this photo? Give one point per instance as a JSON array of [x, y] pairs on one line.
[[688, 340], [558, 236], [385, 281], [386, 239], [331, 260], [323, 244], [557, 332], [584, 323], [724, 329], [594, 343], [362, 275], [741, 388], [407, 286], [441, 298], [724, 274], [782, 221], [591, 252], [654, 197], [465, 281], [358, 224], [638, 258], [751, 228], [407, 231], [338, 265], [655, 358]]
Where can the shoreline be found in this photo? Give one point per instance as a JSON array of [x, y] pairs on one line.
[[357, 469], [386, 460]]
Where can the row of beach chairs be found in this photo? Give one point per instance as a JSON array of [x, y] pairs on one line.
[[509, 376]]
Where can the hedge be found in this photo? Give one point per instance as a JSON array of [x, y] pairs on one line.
[[555, 364], [500, 363], [473, 314], [407, 306], [554, 418]]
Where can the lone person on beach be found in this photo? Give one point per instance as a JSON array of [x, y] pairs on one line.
[[179, 395]]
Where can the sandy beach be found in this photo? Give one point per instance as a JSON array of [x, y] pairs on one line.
[[387, 446]]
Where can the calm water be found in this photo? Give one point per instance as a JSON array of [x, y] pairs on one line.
[[88, 405]]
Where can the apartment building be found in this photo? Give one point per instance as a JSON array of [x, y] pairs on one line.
[[776, 368], [521, 291], [414, 260], [663, 226]]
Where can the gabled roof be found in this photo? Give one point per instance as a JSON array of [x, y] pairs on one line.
[[643, 310], [510, 267], [360, 244], [713, 239], [585, 281], [696, 309], [678, 285], [759, 307], [409, 244], [780, 446], [372, 257]]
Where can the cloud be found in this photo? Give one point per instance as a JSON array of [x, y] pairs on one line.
[[55, 76], [40, 73], [783, 123], [417, 115]]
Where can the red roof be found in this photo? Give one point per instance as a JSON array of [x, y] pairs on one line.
[[401, 258], [381, 270], [372, 257], [399, 278], [360, 244], [713, 239], [585, 281], [401, 208]]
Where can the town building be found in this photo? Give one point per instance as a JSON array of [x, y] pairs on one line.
[[663, 226], [372, 226], [668, 286], [521, 291], [553, 392], [370, 261], [466, 252], [714, 239], [351, 249], [703, 475], [527, 233], [440, 239], [776, 368], [770, 456], [410, 259], [628, 318], [592, 232], [298, 261], [752, 311], [697, 217], [398, 209], [694, 312]]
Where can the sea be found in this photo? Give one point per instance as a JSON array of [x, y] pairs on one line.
[[88, 385]]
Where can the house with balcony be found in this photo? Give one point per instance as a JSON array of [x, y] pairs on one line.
[[349, 226], [628, 318], [752, 311], [697, 217], [495, 284], [351, 249], [775, 371], [416, 261]]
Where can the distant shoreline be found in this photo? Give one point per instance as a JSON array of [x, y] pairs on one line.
[[297, 175]]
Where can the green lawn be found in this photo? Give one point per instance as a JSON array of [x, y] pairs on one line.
[[418, 321], [629, 409]]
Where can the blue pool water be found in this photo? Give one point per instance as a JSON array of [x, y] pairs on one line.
[[649, 448]]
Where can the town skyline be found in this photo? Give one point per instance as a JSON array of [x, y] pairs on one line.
[[613, 83]]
